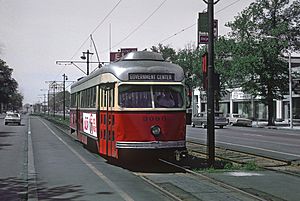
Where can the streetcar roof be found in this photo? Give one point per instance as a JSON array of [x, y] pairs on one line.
[[137, 62]]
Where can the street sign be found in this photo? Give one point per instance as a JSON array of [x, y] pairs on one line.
[[203, 28], [203, 22], [203, 38]]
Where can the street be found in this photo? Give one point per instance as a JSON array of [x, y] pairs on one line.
[[280, 144], [39, 162], [13, 161], [56, 167]]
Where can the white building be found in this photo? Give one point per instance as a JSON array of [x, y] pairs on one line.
[[251, 107]]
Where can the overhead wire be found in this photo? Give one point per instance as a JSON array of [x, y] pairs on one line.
[[139, 26], [90, 36], [188, 27], [96, 28]]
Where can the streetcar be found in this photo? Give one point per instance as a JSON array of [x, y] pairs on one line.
[[135, 106]]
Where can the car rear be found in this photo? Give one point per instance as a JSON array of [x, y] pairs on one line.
[[12, 118]]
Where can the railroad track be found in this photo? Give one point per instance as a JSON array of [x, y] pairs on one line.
[[197, 152], [200, 150], [175, 185]]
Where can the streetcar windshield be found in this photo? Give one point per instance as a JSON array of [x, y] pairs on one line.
[[135, 96], [167, 96], [142, 96]]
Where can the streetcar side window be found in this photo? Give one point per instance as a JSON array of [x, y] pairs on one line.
[[135, 96], [88, 98], [73, 100], [168, 96]]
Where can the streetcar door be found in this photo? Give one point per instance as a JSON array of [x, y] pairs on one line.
[[107, 141]]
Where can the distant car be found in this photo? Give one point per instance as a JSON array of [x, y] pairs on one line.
[[238, 120], [200, 119], [13, 118]]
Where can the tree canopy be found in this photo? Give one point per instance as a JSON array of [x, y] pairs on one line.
[[254, 55], [9, 95]]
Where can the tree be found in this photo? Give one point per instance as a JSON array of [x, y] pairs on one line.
[[168, 53], [16, 101], [260, 36], [9, 94], [189, 59]]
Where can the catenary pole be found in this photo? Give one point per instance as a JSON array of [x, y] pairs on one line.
[[210, 91]]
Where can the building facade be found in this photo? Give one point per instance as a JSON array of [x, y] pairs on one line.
[[236, 101]]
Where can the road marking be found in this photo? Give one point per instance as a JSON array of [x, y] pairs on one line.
[[248, 134], [258, 148], [244, 174], [123, 194], [31, 173]]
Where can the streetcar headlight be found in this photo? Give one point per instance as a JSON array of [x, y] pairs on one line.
[[155, 130]]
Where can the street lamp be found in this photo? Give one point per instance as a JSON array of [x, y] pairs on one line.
[[290, 82], [290, 91], [87, 58]]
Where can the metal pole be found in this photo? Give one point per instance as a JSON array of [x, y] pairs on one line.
[[87, 62], [54, 100], [290, 91], [48, 108], [210, 91], [44, 108], [64, 101]]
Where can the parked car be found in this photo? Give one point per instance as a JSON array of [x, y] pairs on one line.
[[200, 119], [13, 118], [238, 120]]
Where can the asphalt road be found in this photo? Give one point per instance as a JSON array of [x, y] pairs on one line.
[[13, 161], [58, 168], [276, 143], [39, 162]]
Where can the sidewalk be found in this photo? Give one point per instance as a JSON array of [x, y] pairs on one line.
[[268, 185], [278, 125]]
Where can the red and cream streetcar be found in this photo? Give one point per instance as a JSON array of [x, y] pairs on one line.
[[135, 105]]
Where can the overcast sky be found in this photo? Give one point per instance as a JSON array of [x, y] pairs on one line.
[[34, 34]]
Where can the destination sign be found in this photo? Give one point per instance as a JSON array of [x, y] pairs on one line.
[[152, 76]]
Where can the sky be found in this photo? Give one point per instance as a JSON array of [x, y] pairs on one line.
[[34, 34]]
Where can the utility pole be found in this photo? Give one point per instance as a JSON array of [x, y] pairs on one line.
[[48, 106], [44, 107], [54, 87], [60, 86], [64, 101], [210, 91]]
